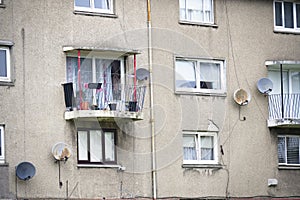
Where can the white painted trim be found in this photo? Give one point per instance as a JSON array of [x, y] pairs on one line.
[[282, 28], [8, 64], [199, 134], [2, 156], [199, 90], [95, 10]]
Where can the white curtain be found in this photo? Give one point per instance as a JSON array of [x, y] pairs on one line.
[[207, 145], [210, 75], [82, 145], [189, 147], [95, 146], [109, 146]]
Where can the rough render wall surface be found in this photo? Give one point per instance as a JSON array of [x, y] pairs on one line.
[[34, 106]]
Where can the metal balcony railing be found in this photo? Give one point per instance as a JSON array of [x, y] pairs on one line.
[[113, 97], [286, 106]]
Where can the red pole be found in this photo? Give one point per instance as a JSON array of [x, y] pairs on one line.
[[79, 80], [134, 80]]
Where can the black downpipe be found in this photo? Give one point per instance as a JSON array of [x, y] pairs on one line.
[[281, 88]]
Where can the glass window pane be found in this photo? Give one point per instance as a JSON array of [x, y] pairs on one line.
[[275, 78], [189, 147], [292, 150], [86, 74], [82, 145], [185, 74], [298, 15], [210, 76], [95, 146], [295, 76], [278, 13], [207, 146], [182, 6], [288, 15], [102, 4], [82, 3], [281, 150], [109, 146], [3, 63]]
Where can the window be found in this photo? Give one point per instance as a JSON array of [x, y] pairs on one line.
[[288, 150], [200, 148], [97, 6], [5, 64], [196, 11], [97, 147], [287, 16], [1, 144], [204, 76], [291, 81], [108, 72]]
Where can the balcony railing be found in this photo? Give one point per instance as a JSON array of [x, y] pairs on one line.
[[109, 101], [284, 109]]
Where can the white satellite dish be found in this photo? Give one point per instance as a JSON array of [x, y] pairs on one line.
[[265, 85], [142, 74], [61, 151], [241, 97]]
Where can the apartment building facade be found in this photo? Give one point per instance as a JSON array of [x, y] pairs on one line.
[[149, 99]]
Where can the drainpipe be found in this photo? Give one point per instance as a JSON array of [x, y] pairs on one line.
[[281, 91], [153, 149]]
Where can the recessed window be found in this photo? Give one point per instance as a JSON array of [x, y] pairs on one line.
[[199, 11], [97, 147], [97, 6], [202, 76], [288, 150], [5, 64], [287, 16], [200, 148], [2, 144]]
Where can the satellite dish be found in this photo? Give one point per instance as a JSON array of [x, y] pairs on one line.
[[25, 171], [61, 151], [265, 85], [241, 97], [142, 74]]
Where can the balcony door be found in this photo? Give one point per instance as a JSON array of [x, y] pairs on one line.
[[290, 96]]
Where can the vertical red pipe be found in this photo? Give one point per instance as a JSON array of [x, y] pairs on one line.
[[134, 80], [79, 79]]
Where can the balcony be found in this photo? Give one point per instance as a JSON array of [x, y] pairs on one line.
[[104, 103], [284, 110]]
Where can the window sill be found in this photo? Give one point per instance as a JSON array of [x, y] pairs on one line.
[[198, 24], [289, 167], [2, 6], [286, 31], [206, 166], [119, 167], [3, 83], [200, 93], [95, 14], [3, 164]]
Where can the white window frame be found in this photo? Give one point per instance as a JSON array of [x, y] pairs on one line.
[[2, 153], [88, 160], [8, 64], [1, 2], [283, 28], [203, 21], [198, 148], [95, 10], [198, 89], [287, 164]]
